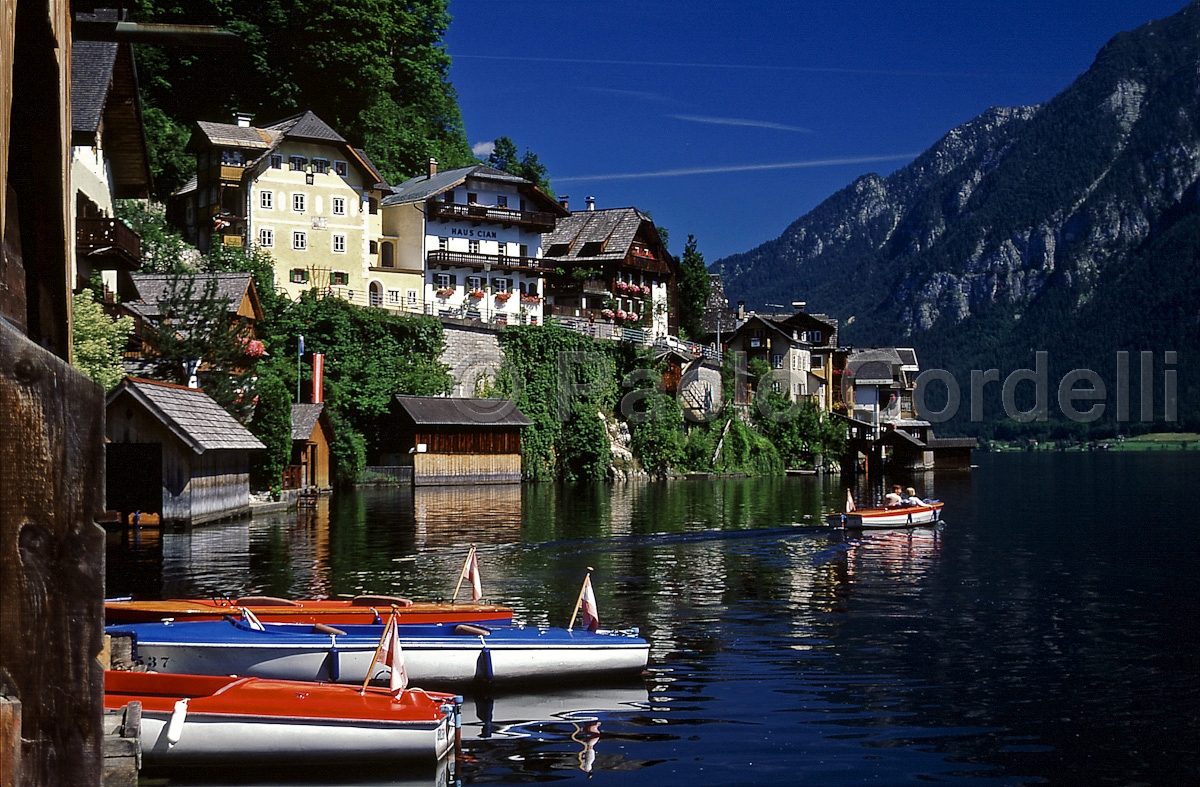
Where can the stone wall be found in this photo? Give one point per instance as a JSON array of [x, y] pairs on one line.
[[473, 355]]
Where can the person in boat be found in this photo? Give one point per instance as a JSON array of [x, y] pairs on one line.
[[893, 498], [912, 499]]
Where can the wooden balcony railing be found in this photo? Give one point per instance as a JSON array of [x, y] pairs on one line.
[[448, 211], [109, 239], [466, 259]]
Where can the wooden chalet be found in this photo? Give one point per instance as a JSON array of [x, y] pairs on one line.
[[615, 269], [312, 435], [454, 440], [174, 451]]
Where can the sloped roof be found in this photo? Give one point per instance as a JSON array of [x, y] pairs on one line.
[[153, 288], [304, 420], [455, 411], [598, 235], [231, 135], [191, 415], [91, 72], [307, 126], [423, 187]]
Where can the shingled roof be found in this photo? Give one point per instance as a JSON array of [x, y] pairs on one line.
[[91, 72], [423, 187], [454, 411], [231, 135], [596, 235], [191, 415], [153, 288], [304, 420]]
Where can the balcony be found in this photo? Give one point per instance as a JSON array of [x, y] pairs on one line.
[[465, 259], [452, 211], [108, 242]]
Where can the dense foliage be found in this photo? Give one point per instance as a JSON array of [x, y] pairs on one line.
[[98, 341], [694, 288], [504, 156], [375, 70]]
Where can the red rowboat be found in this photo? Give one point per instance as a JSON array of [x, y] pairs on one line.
[[191, 719], [928, 513], [366, 610]]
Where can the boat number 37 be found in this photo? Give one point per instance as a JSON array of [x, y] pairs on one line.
[[156, 662]]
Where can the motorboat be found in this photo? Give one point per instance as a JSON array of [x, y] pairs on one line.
[[366, 609], [928, 512], [230, 720]]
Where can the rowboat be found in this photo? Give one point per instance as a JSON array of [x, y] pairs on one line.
[[927, 513], [360, 609], [195, 719], [435, 655]]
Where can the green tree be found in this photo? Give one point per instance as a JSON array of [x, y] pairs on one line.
[[163, 249], [657, 438], [98, 341], [504, 156], [272, 423], [694, 288]]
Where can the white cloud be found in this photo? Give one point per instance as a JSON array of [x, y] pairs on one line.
[[674, 173], [483, 148], [740, 122]]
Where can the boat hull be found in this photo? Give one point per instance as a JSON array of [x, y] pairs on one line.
[[329, 611], [434, 657], [251, 721], [888, 518]]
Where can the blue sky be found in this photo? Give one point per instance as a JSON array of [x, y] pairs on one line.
[[729, 120]]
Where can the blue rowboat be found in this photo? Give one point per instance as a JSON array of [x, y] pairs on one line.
[[435, 655]]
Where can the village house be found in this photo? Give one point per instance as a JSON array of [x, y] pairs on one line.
[[109, 160], [612, 270], [473, 235], [296, 189], [312, 434], [449, 440], [800, 349], [175, 452]]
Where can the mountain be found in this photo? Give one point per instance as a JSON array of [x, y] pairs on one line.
[[1071, 227]]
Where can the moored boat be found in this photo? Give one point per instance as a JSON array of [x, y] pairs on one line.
[[929, 512], [224, 720], [435, 656], [360, 609]]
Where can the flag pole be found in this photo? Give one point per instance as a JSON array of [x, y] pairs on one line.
[[579, 600], [460, 575], [374, 659]]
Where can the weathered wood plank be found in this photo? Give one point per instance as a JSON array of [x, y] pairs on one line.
[[52, 559]]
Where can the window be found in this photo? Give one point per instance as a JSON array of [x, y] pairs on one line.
[[411, 297], [474, 283], [558, 250], [266, 237], [299, 276], [502, 249], [473, 246], [818, 362], [472, 198], [393, 297], [777, 361], [232, 158], [297, 163], [320, 165], [448, 197], [338, 206], [443, 280], [276, 161], [339, 243], [777, 387], [523, 250], [266, 200], [443, 244], [500, 285], [374, 249], [300, 241], [502, 201], [340, 169], [298, 201], [339, 278]]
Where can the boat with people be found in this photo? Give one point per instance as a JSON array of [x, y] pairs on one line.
[[235, 721], [364, 609], [445, 655], [927, 513]]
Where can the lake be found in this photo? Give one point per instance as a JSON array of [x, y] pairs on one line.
[[1047, 632]]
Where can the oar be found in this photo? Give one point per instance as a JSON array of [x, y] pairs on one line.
[[579, 600]]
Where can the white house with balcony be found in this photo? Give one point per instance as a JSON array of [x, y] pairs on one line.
[[476, 233]]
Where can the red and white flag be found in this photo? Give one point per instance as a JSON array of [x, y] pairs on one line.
[[470, 573], [590, 619], [393, 656], [849, 502]]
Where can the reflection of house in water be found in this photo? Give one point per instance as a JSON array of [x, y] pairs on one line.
[[212, 561], [486, 514]]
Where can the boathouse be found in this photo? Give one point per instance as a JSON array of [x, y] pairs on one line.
[[173, 450], [448, 440], [312, 435]]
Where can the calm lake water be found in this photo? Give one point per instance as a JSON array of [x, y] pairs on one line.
[[1047, 632]]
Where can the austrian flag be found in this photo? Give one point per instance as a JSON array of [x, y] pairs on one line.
[[590, 619], [470, 573], [392, 656]]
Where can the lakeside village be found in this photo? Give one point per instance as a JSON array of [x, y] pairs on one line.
[[463, 267]]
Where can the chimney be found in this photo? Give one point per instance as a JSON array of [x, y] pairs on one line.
[[798, 306], [741, 312], [591, 202], [562, 200], [432, 168], [242, 119]]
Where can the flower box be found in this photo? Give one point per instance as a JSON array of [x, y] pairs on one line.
[[477, 294], [607, 313], [503, 297], [445, 292]]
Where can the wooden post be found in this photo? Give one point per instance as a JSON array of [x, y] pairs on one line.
[[52, 560]]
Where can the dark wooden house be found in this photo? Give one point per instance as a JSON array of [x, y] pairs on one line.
[[311, 437], [454, 441], [172, 450]]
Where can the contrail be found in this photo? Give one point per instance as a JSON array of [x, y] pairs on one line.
[[740, 122], [673, 173], [738, 66]]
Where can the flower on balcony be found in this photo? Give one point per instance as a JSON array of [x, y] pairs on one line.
[[253, 348], [632, 316], [445, 292], [645, 290], [622, 287], [621, 314], [530, 298], [477, 293], [503, 297], [607, 313]]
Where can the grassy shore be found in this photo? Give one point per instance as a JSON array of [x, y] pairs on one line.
[[1159, 441]]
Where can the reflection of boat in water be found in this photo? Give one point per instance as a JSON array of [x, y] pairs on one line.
[[360, 609], [927, 513], [519, 715]]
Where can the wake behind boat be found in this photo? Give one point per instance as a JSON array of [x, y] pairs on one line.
[[929, 512], [191, 719], [360, 609], [435, 656]]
